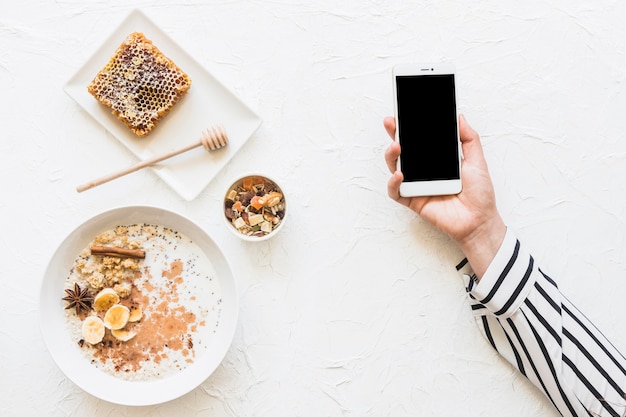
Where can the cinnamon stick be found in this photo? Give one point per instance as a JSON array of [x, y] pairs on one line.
[[118, 252]]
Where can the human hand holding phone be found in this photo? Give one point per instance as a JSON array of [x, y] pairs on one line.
[[470, 218]]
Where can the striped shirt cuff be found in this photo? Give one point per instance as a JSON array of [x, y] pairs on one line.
[[508, 279]]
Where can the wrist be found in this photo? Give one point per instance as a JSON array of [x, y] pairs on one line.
[[482, 244]]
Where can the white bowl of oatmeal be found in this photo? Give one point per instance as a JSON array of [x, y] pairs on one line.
[[254, 207], [138, 306]]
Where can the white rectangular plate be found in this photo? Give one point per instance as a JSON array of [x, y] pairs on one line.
[[208, 103]]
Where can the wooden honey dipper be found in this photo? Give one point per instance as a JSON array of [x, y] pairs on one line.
[[211, 139]]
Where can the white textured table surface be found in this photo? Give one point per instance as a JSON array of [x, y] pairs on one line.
[[355, 309]]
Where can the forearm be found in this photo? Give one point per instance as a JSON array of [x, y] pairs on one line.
[[529, 322]]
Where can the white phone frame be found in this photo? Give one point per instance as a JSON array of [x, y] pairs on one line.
[[431, 187]]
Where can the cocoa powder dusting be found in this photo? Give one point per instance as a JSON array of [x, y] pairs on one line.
[[162, 328]]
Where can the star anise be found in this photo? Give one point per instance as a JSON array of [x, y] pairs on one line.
[[78, 298]]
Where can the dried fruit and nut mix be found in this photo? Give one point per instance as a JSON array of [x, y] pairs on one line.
[[255, 206]]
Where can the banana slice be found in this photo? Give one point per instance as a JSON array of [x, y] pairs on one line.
[[93, 330], [136, 313], [123, 335], [105, 299], [116, 317]]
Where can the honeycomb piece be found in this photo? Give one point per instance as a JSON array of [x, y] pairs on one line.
[[139, 84]]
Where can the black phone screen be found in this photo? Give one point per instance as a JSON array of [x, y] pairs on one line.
[[427, 127]]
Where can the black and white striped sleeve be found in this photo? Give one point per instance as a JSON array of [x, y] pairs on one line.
[[524, 316]]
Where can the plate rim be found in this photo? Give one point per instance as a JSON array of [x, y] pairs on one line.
[[140, 392]]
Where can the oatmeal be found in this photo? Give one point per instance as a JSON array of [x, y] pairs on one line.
[[142, 301]]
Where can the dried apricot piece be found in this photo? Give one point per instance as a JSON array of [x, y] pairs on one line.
[[256, 202], [247, 184]]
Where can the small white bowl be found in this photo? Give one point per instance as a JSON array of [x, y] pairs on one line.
[[261, 186]]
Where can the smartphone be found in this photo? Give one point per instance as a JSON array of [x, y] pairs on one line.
[[427, 129]]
